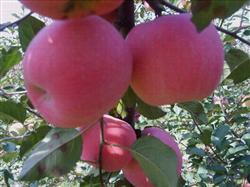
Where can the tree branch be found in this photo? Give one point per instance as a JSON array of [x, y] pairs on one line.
[[6, 25], [233, 34]]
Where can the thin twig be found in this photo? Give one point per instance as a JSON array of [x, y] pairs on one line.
[[102, 141], [7, 25]]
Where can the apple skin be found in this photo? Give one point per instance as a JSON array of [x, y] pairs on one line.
[[76, 70], [116, 132], [173, 62], [61, 9], [246, 184], [134, 173]]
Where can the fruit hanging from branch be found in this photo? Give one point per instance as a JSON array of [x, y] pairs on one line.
[[134, 173], [116, 132], [63, 9], [76, 70], [173, 62]]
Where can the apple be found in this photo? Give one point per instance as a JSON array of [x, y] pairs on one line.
[[134, 173], [63, 9], [76, 70], [246, 184], [116, 132], [173, 62]]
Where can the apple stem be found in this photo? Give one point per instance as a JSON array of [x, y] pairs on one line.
[[126, 17]]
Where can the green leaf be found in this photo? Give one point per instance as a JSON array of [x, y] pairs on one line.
[[203, 12], [196, 110], [219, 135], [219, 169], [129, 98], [151, 112], [246, 32], [196, 151], [55, 155], [8, 59], [234, 57], [205, 136], [246, 138], [30, 141], [7, 157], [27, 29], [239, 64], [217, 178], [12, 111], [157, 160]]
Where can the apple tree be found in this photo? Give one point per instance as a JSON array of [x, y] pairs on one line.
[[126, 93]]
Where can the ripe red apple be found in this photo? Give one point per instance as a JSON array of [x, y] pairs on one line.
[[115, 132], [246, 184], [173, 62], [76, 70], [63, 9], [134, 173]]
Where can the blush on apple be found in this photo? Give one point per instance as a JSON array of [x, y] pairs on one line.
[[116, 132], [63, 9], [76, 70], [173, 62]]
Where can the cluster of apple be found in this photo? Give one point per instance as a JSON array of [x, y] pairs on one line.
[[77, 68], [118, 138]]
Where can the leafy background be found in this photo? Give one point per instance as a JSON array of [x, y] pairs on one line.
[[214, 134]]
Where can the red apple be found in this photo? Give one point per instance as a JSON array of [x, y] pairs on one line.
[[115, 132], [76, 70], [246, 184], [134, 173], [63, 9], [173, 62]]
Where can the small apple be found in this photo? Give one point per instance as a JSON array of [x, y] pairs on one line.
[[76, 70], [116, 132], [173, 62], [63, 9], [134, 173]]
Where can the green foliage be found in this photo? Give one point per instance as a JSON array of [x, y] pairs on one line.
[[206, 10], [8, 59], [10, 111], [151, 112], [28, 29], [214, 134], [157, 160], [55, 155], [239, 63]]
